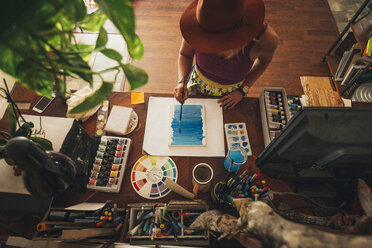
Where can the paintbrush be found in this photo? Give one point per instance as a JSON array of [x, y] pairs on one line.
[[183, 94]]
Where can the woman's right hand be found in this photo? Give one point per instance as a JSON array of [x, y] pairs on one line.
[[178, 93]]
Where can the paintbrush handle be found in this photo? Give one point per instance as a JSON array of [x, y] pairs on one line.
[[178, 189]]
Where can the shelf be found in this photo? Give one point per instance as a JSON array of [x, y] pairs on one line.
[[333, 61], [361, 29]]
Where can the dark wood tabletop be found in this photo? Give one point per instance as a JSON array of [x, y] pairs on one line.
[[246, 111]]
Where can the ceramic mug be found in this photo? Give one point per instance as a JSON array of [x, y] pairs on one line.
[[202, 175]]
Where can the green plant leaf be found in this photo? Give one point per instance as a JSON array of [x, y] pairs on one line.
[[84, 50], [12, 121], [93, 22], [112, 54], [136, 76], [78, 66], [10, 12], [120, 12], [3, 142], [46, 144], [74, 10], [24, 130], [35, 78], [94, 100], [60, 87], [8, 60], [102, 38]]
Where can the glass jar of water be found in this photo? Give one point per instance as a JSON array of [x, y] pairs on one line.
[[236, 157]]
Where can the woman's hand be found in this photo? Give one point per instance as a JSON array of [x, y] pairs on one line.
[[230, 100], [178, 93]]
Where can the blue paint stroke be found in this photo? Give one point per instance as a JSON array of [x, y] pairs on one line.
[[191, 125]]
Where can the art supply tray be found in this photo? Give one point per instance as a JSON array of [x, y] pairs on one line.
[[193, 209], [109, 165], [236, 134], [70, 224], [274, 112]]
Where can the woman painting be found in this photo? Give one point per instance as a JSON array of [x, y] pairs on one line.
[[232, 46]]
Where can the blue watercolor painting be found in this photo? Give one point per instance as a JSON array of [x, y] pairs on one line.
[[192, 126]]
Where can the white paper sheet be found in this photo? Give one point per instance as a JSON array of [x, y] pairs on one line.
[[55, 130], [86, 206], [157, 129]]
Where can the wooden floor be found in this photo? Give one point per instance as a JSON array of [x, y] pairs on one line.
[[306, 29]]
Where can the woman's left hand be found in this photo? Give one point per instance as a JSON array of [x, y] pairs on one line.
[[230, 100]]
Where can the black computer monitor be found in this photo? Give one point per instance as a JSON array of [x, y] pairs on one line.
[[322, 143]]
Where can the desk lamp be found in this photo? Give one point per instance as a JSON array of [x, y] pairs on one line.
[[46, 173]]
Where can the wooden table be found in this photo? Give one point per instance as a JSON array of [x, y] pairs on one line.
[[246, 111]]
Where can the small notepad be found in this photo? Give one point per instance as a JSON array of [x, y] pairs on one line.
[[118, 120]]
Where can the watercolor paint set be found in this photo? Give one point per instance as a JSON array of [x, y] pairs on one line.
[[294, 104], [109, 166], [274, 112], [149, 173], [236, 134]]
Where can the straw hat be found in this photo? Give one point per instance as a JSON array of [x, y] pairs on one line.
[[213, 26]]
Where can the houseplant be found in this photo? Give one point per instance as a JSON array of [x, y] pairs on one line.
[[38, 47], [24, 129]]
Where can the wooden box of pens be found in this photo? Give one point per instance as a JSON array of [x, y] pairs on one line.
[[165, 224], [98, 226], [274, 112]]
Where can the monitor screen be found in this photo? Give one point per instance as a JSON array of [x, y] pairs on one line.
[[322, 142]]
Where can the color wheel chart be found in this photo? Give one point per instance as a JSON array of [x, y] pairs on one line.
[[149, 173]]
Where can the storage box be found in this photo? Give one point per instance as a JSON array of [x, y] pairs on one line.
[[173, 209], [79, 223]]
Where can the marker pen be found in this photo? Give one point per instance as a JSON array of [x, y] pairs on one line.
[[295, 106], [271, 93], [274, 102], [275, 98], [278, 120], [276, 112], [275, 125], [275, 107], [274, 116]]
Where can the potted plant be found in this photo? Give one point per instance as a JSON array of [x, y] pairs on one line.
[[38, 47]]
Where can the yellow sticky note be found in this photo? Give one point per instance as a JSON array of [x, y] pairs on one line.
[[137, 97]]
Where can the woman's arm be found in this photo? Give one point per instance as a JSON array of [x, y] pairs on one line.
[[267, 46], [185, 61], [262, 53]]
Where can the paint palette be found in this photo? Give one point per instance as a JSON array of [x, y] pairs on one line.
[[236, 134], [149, 173], [133, 122], [193, 127]]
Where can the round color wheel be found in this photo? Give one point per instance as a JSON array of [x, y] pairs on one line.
[[149, 173]]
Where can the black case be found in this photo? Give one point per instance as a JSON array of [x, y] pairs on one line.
[[81, 148]]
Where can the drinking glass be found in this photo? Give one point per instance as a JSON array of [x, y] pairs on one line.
[[236, 156]]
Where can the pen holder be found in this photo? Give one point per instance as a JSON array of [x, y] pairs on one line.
[[236, 157]]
